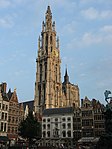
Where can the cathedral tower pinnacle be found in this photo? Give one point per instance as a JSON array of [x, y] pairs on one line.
[[48, 86], [66, 77], [50, 92]]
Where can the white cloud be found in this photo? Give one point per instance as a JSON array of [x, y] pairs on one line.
[[69, 28], [103, 36], [6, 22], [8, 3], [89, 38], [86, 1], [107, 29], [4, 3], [65, 4], [106, 14], [92, 13]]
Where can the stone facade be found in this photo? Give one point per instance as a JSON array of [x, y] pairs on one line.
[[89, 119], [70, 93], [14, 115], [50, 92], [85, 123], [77, 125], [57, 127], [4, 109], [11, 113]]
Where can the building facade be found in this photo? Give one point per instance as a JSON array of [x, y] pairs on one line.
[[92, 120], [4, 110], [57, 127], [50, 92], [14, 115], [77, 125], [84, 124], [87, 118]]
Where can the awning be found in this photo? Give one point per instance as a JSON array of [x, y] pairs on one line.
[[88, 139], [4, 139]]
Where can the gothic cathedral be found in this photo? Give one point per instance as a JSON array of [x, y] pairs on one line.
[[50, 92]]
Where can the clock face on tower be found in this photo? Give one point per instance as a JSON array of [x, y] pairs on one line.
[[55, 53]]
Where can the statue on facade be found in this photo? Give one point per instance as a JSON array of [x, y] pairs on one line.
[[108, 113]]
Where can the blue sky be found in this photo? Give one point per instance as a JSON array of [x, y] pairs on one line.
[[85, 31]]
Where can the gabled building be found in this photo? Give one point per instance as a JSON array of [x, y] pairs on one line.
[[15, 115], [4, 109], [87, 118], [99, 122], [92, 120]]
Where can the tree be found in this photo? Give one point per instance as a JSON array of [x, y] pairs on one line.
[[30, 128]]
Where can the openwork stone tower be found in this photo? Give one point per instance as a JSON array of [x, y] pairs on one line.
[[50, 92], [48, 87]]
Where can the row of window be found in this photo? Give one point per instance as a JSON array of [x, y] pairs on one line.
[[64, 126], [98, 111], [3, 106], [77, 120], [14, 104], [88, 122], [16, 112], [13, 130], [99, 126], [98, 133], [56, 134], [13, 119], [86, 113], [3, 127], [99, 117], [56, 119], [3, 116]]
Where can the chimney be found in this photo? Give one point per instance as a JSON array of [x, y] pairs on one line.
[[4, 87]]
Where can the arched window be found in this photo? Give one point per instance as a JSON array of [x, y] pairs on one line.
[[51, 48], [56, 72], [40, 72], [64, 133], [64, 125], [44, 134], [50, 39], [46, 39], [69, 125], [48, 126], [44, 126], [45, 70], [44, 90], [63, 119], [69, 133], [39, 90], [48, 134]]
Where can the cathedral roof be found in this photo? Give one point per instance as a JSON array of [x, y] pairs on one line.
[[30, 105], [57, 111]]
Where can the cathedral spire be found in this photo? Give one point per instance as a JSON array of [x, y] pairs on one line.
[[66, 77], [48, 19], [48, 10], [66, 73]]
